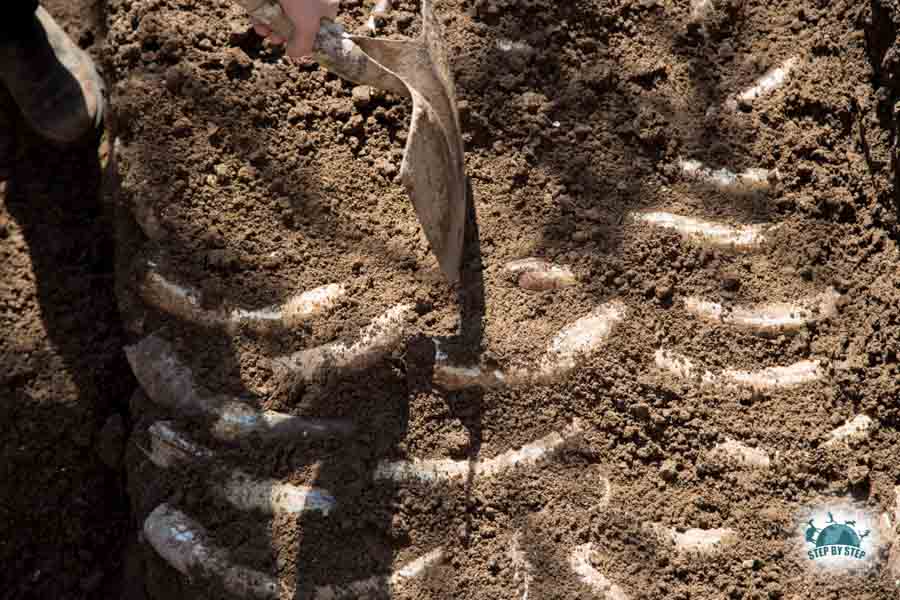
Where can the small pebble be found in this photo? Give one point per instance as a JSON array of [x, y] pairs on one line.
[[362, 96], [182, 127], [386, 167], [533, 101], [664, 291], [668, 471], [581, 236], [246, 173]]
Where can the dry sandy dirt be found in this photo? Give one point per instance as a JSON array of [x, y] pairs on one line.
[[249, 178]]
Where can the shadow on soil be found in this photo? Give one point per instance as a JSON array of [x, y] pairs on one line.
[[69, 508], [619, 112], [602, 106]]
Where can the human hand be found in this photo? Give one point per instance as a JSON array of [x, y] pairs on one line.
[[306, 16]]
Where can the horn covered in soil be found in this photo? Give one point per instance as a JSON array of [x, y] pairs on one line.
[[183, 543], [170, 383]]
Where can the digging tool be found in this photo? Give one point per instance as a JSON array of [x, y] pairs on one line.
[[433, 171]]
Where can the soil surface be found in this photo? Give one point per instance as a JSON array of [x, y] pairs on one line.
[[249, 178], [64, 381]]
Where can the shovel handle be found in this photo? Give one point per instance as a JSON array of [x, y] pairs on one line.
[[333, 49]]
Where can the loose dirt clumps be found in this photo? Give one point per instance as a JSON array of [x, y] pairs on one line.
[[718, 172]]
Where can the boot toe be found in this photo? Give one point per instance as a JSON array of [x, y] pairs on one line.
[[54, 82]]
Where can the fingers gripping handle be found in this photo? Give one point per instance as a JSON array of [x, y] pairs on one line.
[[269, 12], [333, 49]]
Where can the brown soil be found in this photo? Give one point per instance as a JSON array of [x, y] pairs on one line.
[[263, 178], [243, 155], [64, 382]]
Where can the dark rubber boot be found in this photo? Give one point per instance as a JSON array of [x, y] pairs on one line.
[[53, 81]]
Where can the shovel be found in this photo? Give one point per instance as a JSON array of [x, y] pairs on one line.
[[433, 171]]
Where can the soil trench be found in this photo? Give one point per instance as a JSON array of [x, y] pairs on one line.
[[64, 381]]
